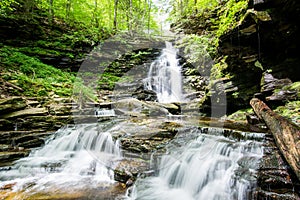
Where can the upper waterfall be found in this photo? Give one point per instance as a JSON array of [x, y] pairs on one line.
[[164, 76]]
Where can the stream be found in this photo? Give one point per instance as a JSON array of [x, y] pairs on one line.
[[209, 166], [79, 161]]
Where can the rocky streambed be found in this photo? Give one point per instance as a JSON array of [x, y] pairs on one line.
[[143, 131]]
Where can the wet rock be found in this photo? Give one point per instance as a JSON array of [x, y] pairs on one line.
[[145, 135], [145, 95], [60, 109], [5, 147], [127, 170], [269, 83], [274, 178], [12, 155], [276, 195], [253, 119], [33, 138], [171, 126], [11, 104], [6, 124], [173, 108], [26, 112], [134, 107]]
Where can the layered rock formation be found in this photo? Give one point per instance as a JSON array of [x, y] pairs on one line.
[[262, 54]]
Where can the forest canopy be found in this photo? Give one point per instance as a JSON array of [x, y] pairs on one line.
[[117, 15]]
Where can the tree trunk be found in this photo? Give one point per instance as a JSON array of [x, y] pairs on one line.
[[195, 5], [149, 17], [285, 133], [95, 14], [115, 15], [51, 12], [68, 9], [130, 17]]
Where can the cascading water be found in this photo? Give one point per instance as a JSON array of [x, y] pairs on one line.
[[210, 167], [75, 157], [164, 76], [105, 112]]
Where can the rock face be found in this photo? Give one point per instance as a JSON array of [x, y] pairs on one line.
[[262, 54], [26, 122]]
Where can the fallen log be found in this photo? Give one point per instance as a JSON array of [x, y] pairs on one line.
[[286, 133]]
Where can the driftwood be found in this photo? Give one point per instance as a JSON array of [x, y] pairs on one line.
[[286, 133]]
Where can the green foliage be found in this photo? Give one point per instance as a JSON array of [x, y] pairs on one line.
[[208, 20], [259, 65], [6, 6], [199, 50], [290, 110], [180, 9], [241, 114], [198, 47], [107, 81], [217, 70], [229, 15], [99, 15], [93, 17], [34, 77]]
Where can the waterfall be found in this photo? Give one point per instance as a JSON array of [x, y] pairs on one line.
[[164, 76], [76, 156], [209, 167]]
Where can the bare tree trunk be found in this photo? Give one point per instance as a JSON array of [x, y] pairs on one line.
[[286, 133], [95, 15], [51, 12], [130, 17], [116, 15], [68, 9], [149, 16], [28, 6]]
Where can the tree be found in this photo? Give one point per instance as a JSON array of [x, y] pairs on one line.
[[115, 14], [51, 12], [68, 9]]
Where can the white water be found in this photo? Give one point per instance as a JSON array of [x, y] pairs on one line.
[[208, 168], [164, 76], [77, 156], [105, 112]]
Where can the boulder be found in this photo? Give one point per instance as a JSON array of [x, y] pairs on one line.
[[145, 95], [134, 107], [128, 169]]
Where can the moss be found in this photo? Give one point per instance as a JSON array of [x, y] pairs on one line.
[[34, 77], [240, 114], [230, 15], [217, 70], [107, 81], [290, 110], [293, 87]]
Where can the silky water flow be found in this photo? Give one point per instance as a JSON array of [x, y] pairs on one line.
[[208, 167], [74, 157]]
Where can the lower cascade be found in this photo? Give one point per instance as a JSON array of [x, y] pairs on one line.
[[76, 157], [210, 167]]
